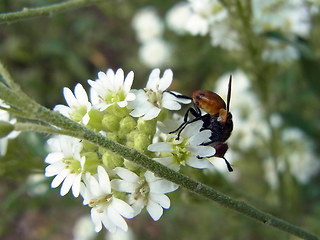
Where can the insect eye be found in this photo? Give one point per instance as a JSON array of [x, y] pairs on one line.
[[200, 96]]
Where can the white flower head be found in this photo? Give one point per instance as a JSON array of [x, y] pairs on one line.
[[187, 150], [147, 190], [65, 164], [177, 17], [153, 98], [205, 13], [111, 88], [78, 103], [155, 52], [105, 208], [147, 24]]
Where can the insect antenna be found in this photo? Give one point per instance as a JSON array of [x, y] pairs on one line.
[[230, 169], [229, 93]]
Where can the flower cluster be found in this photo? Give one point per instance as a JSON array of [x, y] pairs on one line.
[[113, 187], [214, 18]]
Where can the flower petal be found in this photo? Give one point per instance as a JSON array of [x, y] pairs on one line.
[[122, 207], [126, 174], [96, 220], [198, 163], [166, 80], [161, 199], [67, 183], [160, 147], [116, 218], [154, 210], [104, 180], [152, 113], [123, 186]]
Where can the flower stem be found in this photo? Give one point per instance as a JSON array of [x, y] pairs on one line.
[[27, 13]]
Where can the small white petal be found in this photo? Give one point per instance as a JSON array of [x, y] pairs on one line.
[[122, 207], [104, 180], [76, 186], [162, 186], [198, 163], [122, 104], [67, 183], [155, 210], [160, 147], [128, 82], [59, 178], [116, 218], [203, 151], [123, 186], [54, 169], [96, 220], [119, 78], [171, 105], [126, 174], [107, 223], [200, 137], [81, 94], [191, 129], [64, 110], [152, 113], [54, 157], [161, 199], [130, 97], [153, 79], [166, 80], [69, 97]]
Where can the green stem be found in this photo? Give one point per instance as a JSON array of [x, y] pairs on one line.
[[27, 13]]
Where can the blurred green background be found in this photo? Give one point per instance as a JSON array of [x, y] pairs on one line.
[[45, 54]]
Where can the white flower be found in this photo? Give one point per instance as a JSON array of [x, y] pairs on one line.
[[187, 150], [112, 88], [279, 52], [155, 52], [147, 190], [84, 229], [149, 102], [147, 24], [290, 17], [66, 163], [205, 14], [177, 17], [78, 103], [224, 36], [105, 208]]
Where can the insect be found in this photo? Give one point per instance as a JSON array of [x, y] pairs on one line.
[[217, 119]]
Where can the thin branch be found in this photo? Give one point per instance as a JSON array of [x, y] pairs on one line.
[[49, 10]]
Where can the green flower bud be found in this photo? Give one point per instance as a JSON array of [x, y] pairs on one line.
[[147, 127], [77, 113], [92, 162], [127, 124], [95, 119], [141, 142], [131, 166], [88, 146], [114, 109], [110, 122], [111, 160], [5, 128]]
